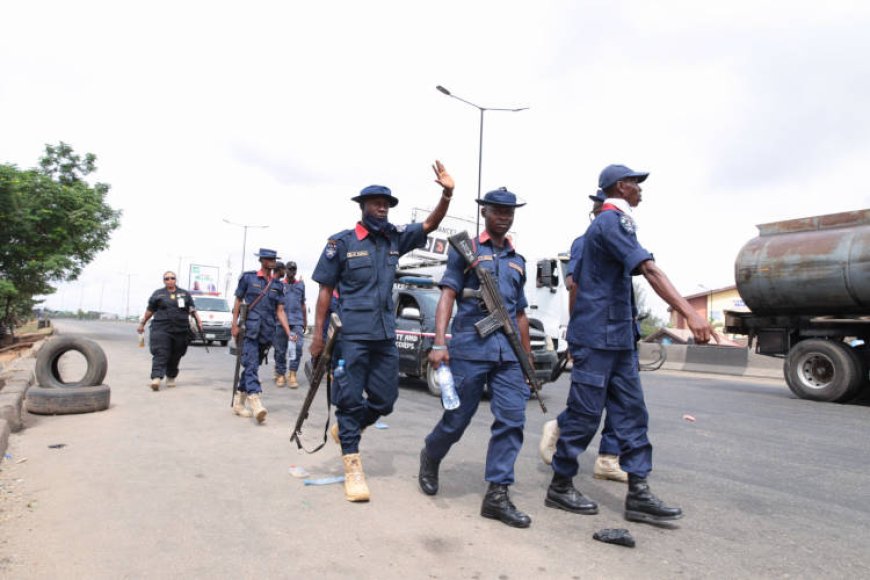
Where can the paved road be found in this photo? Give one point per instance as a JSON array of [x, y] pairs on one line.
[[170, 484]]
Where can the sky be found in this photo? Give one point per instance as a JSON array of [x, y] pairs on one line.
[[277, 113]]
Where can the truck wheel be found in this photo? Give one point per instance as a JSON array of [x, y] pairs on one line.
[[46, 366], [823, 370], [68, 400], [431, 382], [224, 342]]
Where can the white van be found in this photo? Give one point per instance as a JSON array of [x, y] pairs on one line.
[[217, 319]]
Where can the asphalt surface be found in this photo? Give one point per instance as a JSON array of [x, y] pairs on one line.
[[171, 484]]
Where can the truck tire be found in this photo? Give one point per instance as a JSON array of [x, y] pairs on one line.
[[67, 400], [224, 342], [46, 366], [823, 370]]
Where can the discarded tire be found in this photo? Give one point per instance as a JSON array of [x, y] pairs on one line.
[[68, 400], [48, 373]]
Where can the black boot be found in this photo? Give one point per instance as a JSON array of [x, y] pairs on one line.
[[428, 477], [563, 495], [642, 506], [497, 505]]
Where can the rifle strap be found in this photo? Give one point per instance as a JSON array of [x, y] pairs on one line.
[[260, 296], [326, 426]]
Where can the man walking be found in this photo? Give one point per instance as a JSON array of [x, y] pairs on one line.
[[477, 360]]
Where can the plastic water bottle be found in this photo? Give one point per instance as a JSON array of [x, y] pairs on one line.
[[449, 396], [292, 351], [339, 371], [142, 340]]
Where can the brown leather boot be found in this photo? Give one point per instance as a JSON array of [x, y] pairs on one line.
[[257, 407], [279, 380], [355, 487], [607, 467], [292, 382], [239, 405]]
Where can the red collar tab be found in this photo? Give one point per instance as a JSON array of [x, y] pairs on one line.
[[361, 231], [262, 273], [484, 237], [610, 206]]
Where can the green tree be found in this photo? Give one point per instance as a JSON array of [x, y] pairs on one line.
[[52, 224]]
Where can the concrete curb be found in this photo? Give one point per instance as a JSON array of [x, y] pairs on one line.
[[17, 377], [721, 360]]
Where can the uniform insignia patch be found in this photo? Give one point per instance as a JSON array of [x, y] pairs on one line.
[[330, 250], [627, 224], [517, 267], [358, 254]]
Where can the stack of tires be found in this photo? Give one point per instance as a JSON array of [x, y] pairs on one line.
[[53, 396]]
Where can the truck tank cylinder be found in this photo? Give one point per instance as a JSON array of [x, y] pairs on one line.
[[817, 265]]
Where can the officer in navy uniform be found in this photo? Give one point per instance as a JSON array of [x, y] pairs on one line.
[[603, 335], [170, 306], [297, 318], [264, 295], [476, 361], [607, 462], [361, 264]]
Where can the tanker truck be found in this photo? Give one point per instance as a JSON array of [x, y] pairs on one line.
[[806, 283]]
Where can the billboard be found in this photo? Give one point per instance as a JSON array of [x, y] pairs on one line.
[[204, 279]]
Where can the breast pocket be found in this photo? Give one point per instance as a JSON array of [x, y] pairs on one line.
[[359, 268], [357, 314]]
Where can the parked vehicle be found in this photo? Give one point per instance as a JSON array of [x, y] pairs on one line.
[[415, 300], [217, 319], [807, 284]]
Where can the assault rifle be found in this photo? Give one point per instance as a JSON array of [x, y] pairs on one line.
[[315, 371], [498, 315], [240, 344]]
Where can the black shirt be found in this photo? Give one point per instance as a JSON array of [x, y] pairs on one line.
[[171, 309]]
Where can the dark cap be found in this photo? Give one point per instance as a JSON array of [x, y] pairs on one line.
[[374, 191], [599, 196], [268, 254], [291, 265], [500, 196], [279, 266], [613, 173]]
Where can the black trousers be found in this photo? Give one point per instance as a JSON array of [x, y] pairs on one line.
[[167, 348]]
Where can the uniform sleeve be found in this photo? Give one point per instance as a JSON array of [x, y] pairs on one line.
[[302, 292], [154, 302], [191, 307], [242, 287], [328, 270], [412, 238], [575, 256], [522, 303], [622, 244], [454, 273]]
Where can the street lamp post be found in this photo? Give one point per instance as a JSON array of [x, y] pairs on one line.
[[244, 237], [480, 142]]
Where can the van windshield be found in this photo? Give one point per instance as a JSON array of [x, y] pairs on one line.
[[208, 304]]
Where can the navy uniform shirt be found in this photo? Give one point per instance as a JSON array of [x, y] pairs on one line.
[[510, 271], [574, 255], [263, 317], [604, 311], [362, 266], [294, 301], [170, 309]]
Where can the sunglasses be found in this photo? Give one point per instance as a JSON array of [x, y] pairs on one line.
[[169, 278]]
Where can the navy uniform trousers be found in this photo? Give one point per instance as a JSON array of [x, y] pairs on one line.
[[604, 378], [371, 367], [509, 393]]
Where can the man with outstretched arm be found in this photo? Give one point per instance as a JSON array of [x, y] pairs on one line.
[[361, 264], [603, 335]]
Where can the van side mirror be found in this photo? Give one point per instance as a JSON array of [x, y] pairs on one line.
[[411, 313], [547, 276]]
